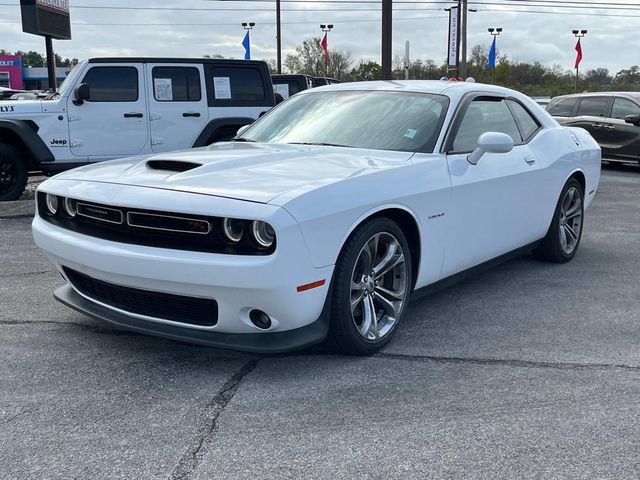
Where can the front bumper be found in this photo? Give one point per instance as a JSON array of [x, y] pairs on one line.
[[237, 283], [276, 342]]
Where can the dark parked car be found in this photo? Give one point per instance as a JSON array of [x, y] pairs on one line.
[[288, 85], [613, 119], [320, 81]]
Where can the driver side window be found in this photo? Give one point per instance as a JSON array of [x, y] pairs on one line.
[[485, 114]]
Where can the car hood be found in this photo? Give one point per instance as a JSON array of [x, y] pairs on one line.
[[246, 171], [8, 107]]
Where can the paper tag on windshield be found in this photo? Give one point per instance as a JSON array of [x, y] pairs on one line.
[[410, 133], [282, 89], [222, 87]]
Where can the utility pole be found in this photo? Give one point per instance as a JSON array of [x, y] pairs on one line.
[[387, 22], [463, 46], [407, 61], [278, 37]]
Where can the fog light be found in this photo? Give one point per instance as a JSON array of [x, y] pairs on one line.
[[260, 319], [52, 203]]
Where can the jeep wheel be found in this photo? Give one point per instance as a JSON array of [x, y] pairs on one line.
[[13, 173]]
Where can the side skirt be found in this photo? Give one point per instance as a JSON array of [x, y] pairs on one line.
[[471, 272]]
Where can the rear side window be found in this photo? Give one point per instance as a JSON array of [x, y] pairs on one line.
[[562, 107], [623, 107], [238, 84], [528, 125], [176, 84], [112, 84], [594, 107]]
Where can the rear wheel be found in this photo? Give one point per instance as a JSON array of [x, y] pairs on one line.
[[371, 288], [563, 238], [13, 173]]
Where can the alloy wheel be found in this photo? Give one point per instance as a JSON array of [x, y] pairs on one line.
[[570, 220], [8, 176], [379, 286]]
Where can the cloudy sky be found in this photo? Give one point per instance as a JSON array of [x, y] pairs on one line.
[[533, 30]]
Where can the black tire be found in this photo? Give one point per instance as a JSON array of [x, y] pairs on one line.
[[223, 134], [551, 248], [13, 173], [344, 334]]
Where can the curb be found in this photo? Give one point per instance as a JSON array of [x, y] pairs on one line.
[[17, 209]]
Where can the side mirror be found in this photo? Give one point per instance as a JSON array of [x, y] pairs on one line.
[[491, 142], [81, 93], [242, 129], [634, 119]]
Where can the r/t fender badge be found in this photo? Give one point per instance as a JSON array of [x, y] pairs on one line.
[[436, 216]]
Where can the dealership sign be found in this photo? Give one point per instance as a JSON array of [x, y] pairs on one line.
[[48, 18], [453, 37]]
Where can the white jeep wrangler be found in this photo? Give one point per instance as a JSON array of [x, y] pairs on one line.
[[117, 107]]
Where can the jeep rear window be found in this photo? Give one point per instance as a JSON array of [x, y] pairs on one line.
[[246, 84], [176, 84], [112, 84]]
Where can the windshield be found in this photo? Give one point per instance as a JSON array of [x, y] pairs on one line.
[[69, 80], [363, 119]]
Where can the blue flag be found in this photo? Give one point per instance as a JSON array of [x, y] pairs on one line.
[[492, 55], [247, 46]]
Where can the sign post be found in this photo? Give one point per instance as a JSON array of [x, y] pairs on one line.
[[49, 19]]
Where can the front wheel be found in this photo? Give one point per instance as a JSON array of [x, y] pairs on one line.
[[371, 288], [13, 173], [563, 238]]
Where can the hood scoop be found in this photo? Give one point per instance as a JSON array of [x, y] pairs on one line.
[[172, 165]]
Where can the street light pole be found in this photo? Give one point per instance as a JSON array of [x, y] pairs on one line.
[[463, 46], [578, 34], [278, 37], [248, 26], [495, 32], [326, 29], [387, 27]]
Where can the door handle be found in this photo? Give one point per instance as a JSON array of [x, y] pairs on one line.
[[133, 115], [530, 160], [191, 114], [596, 125], [609, 127]]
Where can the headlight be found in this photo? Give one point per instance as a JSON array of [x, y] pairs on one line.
[[263, 233], [70, 207], [52, 203], [233, 229]]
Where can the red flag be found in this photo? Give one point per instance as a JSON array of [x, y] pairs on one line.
[[579, 57], [325, 47]]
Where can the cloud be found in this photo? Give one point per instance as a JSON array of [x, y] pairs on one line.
[[527, 36]]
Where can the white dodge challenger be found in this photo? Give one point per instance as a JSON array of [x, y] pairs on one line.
[[319, 220]]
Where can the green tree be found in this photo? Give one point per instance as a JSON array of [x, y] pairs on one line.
[[310, 59]]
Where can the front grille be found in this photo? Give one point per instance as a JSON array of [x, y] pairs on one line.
[[189, 310], [152, 228]]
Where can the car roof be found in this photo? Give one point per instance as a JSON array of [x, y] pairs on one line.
[[172, 60], [634, 95], [420, 86]]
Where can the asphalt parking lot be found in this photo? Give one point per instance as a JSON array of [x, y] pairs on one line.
[[529, 370]]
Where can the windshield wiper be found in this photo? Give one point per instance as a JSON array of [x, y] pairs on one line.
[[242, 140], [320, 144]]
